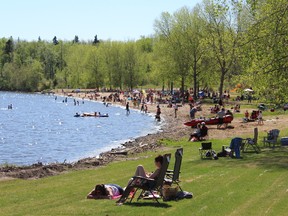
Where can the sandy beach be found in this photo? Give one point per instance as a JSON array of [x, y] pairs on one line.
[[172, 129]]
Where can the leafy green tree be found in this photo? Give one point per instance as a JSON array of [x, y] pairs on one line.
[[95, 68], [2, 60], [96, 41], [8, 51], [180, 38], [145, 47], [222, 36], [55, 41], [76, 66], [117, 52], [107, 60], [163, 66], [131, 65], [49, 57], [267, 40], [76, 39]]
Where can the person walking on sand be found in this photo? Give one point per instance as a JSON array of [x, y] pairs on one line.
[[220, 116], [260, 118], [127, 108], [193, 110], [175, 110]]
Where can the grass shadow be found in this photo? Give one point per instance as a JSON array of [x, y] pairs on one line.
[[274, 158], [148, 204], [267, 159]]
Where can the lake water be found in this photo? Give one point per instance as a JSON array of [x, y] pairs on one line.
[[42, 129]]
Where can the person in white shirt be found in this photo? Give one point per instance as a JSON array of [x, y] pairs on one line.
[[260, 118]]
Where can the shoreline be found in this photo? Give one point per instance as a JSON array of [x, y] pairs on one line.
[[173, 129], [122, 152]]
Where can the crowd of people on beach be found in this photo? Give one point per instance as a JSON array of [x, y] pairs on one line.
[[136, 98], [144, 98], [141, 99]]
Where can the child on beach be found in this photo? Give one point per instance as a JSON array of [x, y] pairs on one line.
[[260, 118]]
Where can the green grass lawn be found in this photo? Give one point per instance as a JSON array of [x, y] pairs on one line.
[[254, 185]]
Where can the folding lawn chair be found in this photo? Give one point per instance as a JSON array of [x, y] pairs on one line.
[[271, 138], [147, 184], [206, 150], [251, 143], [172, 176]]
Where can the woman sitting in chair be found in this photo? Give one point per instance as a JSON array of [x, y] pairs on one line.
[[140, 172]]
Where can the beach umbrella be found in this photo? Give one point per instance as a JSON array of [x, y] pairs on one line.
[[136, 92]]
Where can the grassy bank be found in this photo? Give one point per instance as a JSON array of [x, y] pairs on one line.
[[254, 185]]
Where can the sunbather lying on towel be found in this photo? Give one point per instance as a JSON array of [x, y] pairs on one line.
[[140, 171], [105, 191]]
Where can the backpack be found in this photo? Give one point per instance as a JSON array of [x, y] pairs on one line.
[[183, 195]]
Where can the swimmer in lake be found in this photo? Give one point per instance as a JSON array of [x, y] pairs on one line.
[[127, 108]]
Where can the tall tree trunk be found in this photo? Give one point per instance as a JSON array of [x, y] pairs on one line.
[[222, 77], [131, 80], [171, 87], [120, 86], [182, 87], [195, 79]]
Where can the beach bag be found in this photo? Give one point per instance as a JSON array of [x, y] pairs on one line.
[[169, 192], [184, 195], [250, 141]]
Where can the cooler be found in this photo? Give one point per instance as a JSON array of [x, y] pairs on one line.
[[284, 141]]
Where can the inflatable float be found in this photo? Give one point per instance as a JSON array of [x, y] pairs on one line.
[[91, 115], [209, 121]]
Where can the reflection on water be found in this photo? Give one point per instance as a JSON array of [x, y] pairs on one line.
[[42, 129]]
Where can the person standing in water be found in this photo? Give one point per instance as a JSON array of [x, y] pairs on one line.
[[145, 108], [142, 108], [158, 112], [127, 108]]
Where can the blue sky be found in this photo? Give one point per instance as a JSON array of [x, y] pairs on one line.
[[109, 19]]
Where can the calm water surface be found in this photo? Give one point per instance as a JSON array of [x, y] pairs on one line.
[[42, 129]]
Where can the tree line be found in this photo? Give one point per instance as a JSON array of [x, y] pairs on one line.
[[215, 45]]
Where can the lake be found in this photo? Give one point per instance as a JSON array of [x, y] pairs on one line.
[[40, 128]]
